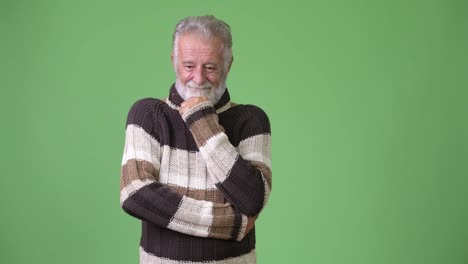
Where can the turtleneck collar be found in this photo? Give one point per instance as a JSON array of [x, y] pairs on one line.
[[175, 100]]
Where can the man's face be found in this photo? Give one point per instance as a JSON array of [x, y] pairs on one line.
[[199, 67]]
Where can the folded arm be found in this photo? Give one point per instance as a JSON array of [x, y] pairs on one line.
[[144, 197], [242, 174]]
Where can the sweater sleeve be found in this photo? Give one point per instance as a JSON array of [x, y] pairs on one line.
[[242, 174], [144, 197]]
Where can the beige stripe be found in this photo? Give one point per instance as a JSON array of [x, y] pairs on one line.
[[222, 225], [147, 258], [211, 195], [205, 128], [137, 170], [266, 172]]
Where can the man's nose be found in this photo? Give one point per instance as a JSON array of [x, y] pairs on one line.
[[199, 76]]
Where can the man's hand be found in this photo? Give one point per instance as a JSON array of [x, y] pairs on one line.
[[250, 223], [189, 103]]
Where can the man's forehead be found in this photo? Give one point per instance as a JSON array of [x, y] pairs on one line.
[[192, 42]]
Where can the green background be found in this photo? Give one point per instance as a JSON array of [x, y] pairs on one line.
[[367, 101]]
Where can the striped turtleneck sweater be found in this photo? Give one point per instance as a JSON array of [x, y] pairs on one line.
[[194, 179]]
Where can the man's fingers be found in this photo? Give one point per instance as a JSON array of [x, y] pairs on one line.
[[184, 106]]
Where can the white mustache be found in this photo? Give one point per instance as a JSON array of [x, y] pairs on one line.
[[193, 85]]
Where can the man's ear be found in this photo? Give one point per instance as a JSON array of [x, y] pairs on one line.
[[230, 64], [172, 60]]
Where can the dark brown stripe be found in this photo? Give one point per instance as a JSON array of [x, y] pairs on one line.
[[137, 170], [166, 243], [205, 111], [142, 113], [155, 203], [239, 123], [244, 187], [205, 128], [244, 121]]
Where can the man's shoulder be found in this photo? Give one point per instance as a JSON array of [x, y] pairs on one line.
[[143, 110], [253, 117], [147, 103], [249, 111]]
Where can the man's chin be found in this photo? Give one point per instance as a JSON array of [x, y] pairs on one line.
[[207, 93], [212, 93]]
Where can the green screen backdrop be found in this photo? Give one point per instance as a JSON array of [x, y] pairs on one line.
[[367, 102]]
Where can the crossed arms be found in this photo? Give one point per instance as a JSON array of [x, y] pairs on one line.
[[241, 174]]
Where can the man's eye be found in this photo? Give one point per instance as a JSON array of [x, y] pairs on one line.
[[189, 67], [210, 68]]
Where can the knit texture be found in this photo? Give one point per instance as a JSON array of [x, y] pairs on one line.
[[194, 179]]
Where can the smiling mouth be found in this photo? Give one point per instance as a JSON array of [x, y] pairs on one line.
[[202, 88]]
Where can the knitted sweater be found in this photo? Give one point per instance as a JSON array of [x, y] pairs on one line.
[[194, 179]]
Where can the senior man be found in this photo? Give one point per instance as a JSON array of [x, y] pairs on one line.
[[196, 166]]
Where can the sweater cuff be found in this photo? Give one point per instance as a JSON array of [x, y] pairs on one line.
[[202, 121]]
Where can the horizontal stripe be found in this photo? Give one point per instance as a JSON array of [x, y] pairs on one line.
[[256, 148], [244, 187], [142, 113], [222, 226], [147, 258], [153, 202], [137, 170], [141, 146], [219, 156], [172, 105], [199, 107], [224, 107], [132, 187], [210, 195], [201, 113], [169, 244], [205, 128], [185, 169], [193, 217]]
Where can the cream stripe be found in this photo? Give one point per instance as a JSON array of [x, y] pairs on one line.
[[219, 156], [141, 146], [223, 108], [256, 148], [147, 258], [197, 217], [185, 169], [267, 191], [243, 228], [131, 188], [200, 106], [171, 105]]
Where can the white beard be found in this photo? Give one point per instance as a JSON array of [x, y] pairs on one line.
[[191, 89]]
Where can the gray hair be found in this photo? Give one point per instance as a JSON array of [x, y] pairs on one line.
[[208, 27]]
